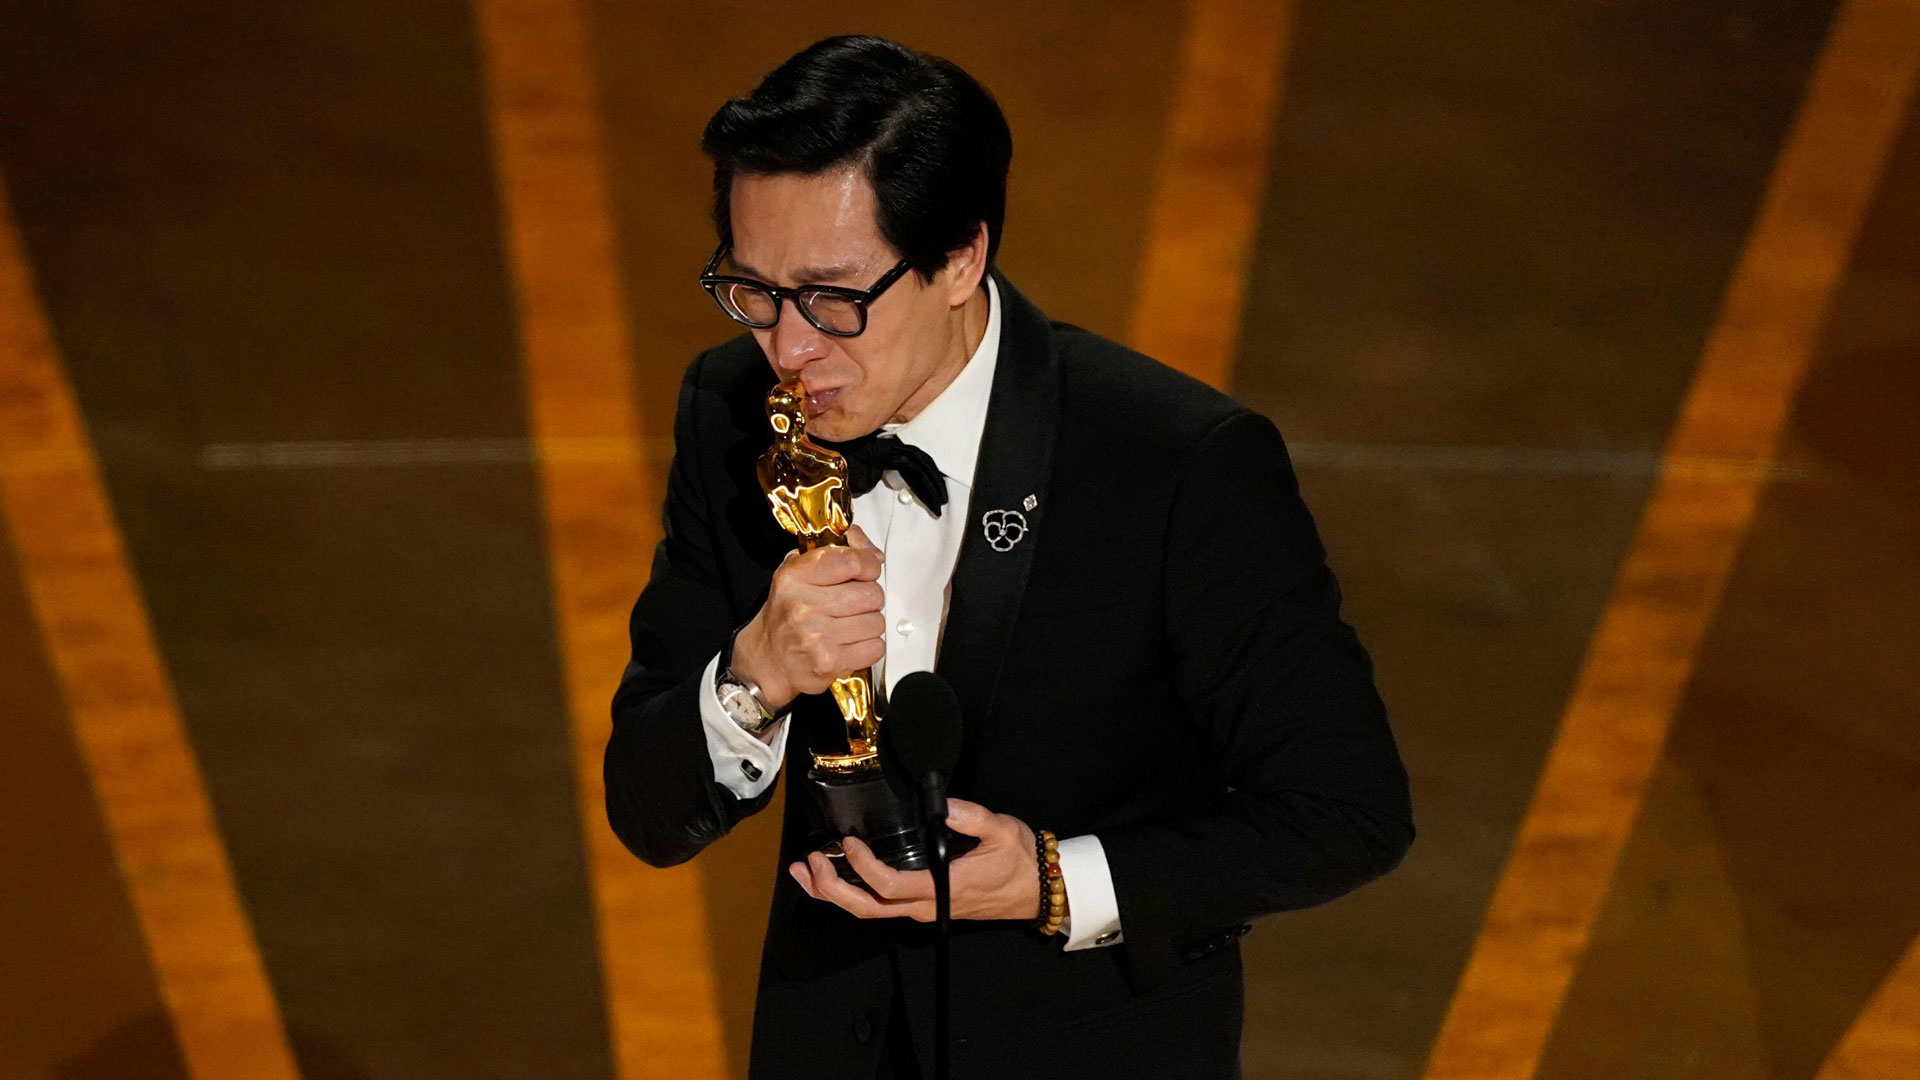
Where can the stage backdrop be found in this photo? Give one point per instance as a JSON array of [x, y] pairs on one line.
[[339, 344]]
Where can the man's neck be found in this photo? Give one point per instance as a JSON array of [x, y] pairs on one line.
[[969, 322]]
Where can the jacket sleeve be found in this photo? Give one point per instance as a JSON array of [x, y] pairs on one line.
[[662, 799], [1313, 799]]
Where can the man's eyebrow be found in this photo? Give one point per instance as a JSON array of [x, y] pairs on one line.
[[825, 274], [806, 275]]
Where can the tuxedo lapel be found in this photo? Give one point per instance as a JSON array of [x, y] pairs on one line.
[[1007, 511]]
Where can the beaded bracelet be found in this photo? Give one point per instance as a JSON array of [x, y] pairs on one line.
[[1053, 887]]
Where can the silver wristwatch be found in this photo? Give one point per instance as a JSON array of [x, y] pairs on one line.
[[739, 698]]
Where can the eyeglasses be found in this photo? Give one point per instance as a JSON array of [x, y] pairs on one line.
[[830, 308]]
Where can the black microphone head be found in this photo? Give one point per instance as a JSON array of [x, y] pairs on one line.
[[921, 731]]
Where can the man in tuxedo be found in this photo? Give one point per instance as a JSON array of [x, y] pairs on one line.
[[1109, 561]]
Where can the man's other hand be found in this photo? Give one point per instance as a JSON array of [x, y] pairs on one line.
[[822, 620], [999, 879]]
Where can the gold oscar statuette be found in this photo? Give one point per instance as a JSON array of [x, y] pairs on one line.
[[807, 486]]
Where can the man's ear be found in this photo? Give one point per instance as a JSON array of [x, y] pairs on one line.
[[966, 267]]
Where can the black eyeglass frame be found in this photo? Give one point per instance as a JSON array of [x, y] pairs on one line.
[[860, 298]]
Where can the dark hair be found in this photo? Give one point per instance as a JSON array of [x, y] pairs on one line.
[[930, 139]]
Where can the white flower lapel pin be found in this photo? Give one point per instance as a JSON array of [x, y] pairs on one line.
[[1005, 528]]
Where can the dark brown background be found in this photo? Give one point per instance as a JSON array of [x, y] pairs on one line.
[[1494, 238]]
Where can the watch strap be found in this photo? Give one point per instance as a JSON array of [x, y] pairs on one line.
[[724, 675]]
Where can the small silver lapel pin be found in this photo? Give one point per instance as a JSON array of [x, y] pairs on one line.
[[1030, 503], [1004, 528]]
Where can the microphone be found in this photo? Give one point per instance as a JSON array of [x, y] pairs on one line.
[[922, 736], [921, 739]]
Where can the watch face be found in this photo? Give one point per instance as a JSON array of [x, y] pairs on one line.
[[741, 706]]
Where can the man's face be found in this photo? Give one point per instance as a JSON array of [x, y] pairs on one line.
[[795, 230]]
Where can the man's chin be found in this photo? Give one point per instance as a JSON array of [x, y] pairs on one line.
[[833, 427]]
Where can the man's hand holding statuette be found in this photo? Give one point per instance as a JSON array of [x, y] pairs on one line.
[[822, 619], [999, 879]]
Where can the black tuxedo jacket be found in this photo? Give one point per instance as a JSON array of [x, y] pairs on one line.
[[1158, 660]]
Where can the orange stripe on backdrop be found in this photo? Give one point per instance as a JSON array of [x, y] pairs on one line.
[[1209, 186], [1884, 1041], [1642, 654], [126, 721], [600, 509]]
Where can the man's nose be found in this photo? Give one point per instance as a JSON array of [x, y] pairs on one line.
[[796, 342]]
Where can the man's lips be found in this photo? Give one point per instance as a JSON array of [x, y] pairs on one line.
[[819, 401]]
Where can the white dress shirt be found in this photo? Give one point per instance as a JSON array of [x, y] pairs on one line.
[[917, 578]]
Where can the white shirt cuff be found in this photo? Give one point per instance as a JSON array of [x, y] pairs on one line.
[[741, 763], [1093, 911]]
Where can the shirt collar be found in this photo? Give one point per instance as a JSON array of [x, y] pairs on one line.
[[950, 427]]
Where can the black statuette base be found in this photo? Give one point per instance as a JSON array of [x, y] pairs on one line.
[[865, 805]]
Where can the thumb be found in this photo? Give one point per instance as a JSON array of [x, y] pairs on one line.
[[857, 537], [969, 818]]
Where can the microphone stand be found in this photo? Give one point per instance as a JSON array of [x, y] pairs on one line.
[[942, 917]]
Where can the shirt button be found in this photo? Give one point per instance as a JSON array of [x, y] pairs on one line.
[[904, 627], [904, 496]]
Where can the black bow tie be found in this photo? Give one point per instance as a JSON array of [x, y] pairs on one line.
[[870, 455]]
